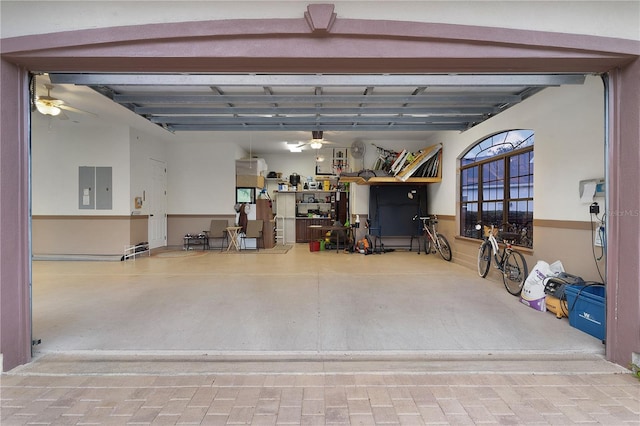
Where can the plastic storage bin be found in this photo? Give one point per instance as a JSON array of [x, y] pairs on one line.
[[587, 309]]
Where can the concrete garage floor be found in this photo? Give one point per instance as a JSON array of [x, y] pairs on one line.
[[299, 303], [302, 339]]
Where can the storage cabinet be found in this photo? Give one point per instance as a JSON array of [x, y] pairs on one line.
[[265, 213], [300, 209], [305, 234]]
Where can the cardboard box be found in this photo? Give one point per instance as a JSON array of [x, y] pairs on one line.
[[246, 181]]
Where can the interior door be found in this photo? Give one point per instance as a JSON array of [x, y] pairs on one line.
[[157, 201]]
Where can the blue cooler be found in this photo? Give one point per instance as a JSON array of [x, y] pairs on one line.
[[587, 309]]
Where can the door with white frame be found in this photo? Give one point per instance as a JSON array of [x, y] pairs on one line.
[[157, 201]]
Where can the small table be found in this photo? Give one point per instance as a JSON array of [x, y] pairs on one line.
[[327, 228], [234, 237], [192, 240]]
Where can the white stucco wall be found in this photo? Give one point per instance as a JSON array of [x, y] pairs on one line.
[[60, 147], [144, 147], [604, 18], [569, 146], [201, 176], [568, 124]]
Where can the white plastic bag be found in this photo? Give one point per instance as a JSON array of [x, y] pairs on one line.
[[533, 289]]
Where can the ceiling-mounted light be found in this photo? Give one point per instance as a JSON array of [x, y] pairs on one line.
[[316, 139], [47, 109], [292, 147]]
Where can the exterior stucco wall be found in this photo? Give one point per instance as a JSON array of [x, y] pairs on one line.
[[619, 19], [351, 45], [623, 225], [15, 251]]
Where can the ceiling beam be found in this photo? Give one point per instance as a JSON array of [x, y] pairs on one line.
[[324, 127], [441, 98], [454, 110], [314, 80], [275, 121]]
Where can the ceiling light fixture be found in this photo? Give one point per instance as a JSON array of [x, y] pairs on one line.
[[316, 139], [294, 147], [48, 109]]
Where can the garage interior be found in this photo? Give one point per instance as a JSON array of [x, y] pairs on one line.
[[303, 303], [308, 337], [307, 42], [298, 302]]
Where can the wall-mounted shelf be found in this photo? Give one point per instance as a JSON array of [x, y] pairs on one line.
[[387, 179], [425, 167]]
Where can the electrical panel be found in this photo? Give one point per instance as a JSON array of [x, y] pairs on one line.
[[94, 188]]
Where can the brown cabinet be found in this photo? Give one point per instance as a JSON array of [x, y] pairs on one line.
[[295, 207], [305, 234], [264, 212]]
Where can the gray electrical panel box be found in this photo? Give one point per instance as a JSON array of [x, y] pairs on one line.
[[94, 189], [86, 179], [103, 188]]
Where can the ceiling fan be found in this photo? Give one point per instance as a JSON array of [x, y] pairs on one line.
[[48, 105], [316, 142]]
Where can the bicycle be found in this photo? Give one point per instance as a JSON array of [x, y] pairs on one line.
[[525, 237], [434, 240], [510, 262]]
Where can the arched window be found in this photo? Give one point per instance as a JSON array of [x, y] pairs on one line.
[[496, 185]]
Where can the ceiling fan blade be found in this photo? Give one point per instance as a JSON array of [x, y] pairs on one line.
[[72, 109], [49, 101]]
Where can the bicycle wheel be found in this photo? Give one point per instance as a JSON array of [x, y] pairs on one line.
[[444, 248], [515, 272], [427, 244], [484, 259]]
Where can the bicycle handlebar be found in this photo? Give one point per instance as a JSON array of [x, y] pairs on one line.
[[423, 218], [504, 236]]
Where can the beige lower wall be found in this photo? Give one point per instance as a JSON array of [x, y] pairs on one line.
[[139, 229], [570, 242], [108, 235], [178, 225], [86, 235]]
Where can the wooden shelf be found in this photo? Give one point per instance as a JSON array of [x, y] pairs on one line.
[[387, 179], [434, 151], [307, 191]]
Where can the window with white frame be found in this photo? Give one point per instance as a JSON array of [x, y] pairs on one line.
[[496, 185]]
